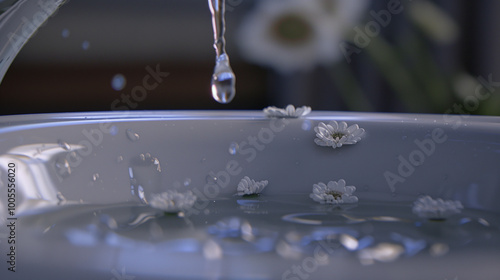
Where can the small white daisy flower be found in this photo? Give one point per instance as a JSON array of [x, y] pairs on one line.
[[296, 35], [333, 193], [337, 134], [436, 209], [248, 186], [172, 201], [289, 112]]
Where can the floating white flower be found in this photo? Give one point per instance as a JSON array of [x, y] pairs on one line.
[[333, 193], [289, 112], [436, 209], [248, 186], [337, 134], [172, 201], [295, 35]]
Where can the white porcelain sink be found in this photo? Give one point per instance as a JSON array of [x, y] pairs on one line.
[[83, 182]]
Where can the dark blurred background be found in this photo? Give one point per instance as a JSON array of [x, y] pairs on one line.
[[425, 59]]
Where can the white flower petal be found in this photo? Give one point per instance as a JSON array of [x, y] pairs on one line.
[[248, 186], [172, 201], [288, 112], [337, 134], [327, 193], [427, 207]]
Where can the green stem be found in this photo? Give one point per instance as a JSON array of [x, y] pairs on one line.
[[398, 77]]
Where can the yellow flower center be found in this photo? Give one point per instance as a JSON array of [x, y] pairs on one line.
[[338, 135], [336, 195], [292, 29]]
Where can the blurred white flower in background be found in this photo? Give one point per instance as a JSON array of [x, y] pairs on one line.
[[293, 35]]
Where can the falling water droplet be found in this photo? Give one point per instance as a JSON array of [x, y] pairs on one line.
[[118, 82], [223, 78], [132, 136], [95, 177], [223, 81], [64, 145], [63, 168], [404, 137], [233, 148]]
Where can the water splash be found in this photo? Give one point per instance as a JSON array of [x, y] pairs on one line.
[[223, 78]]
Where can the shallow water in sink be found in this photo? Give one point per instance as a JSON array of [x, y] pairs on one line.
[[283, 236], [83, 184]]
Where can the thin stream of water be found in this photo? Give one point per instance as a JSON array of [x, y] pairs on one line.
[[223, 78]]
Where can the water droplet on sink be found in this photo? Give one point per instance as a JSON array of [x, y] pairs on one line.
[[119, 159], [95, 177], [211, 179], [61, 199], [140, 193], [65, 146], [233, 148], [62, 167], [113, 130], [132, 136]]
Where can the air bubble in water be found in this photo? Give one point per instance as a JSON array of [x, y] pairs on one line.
[[132, 136], [233, 148], [118, 82]]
